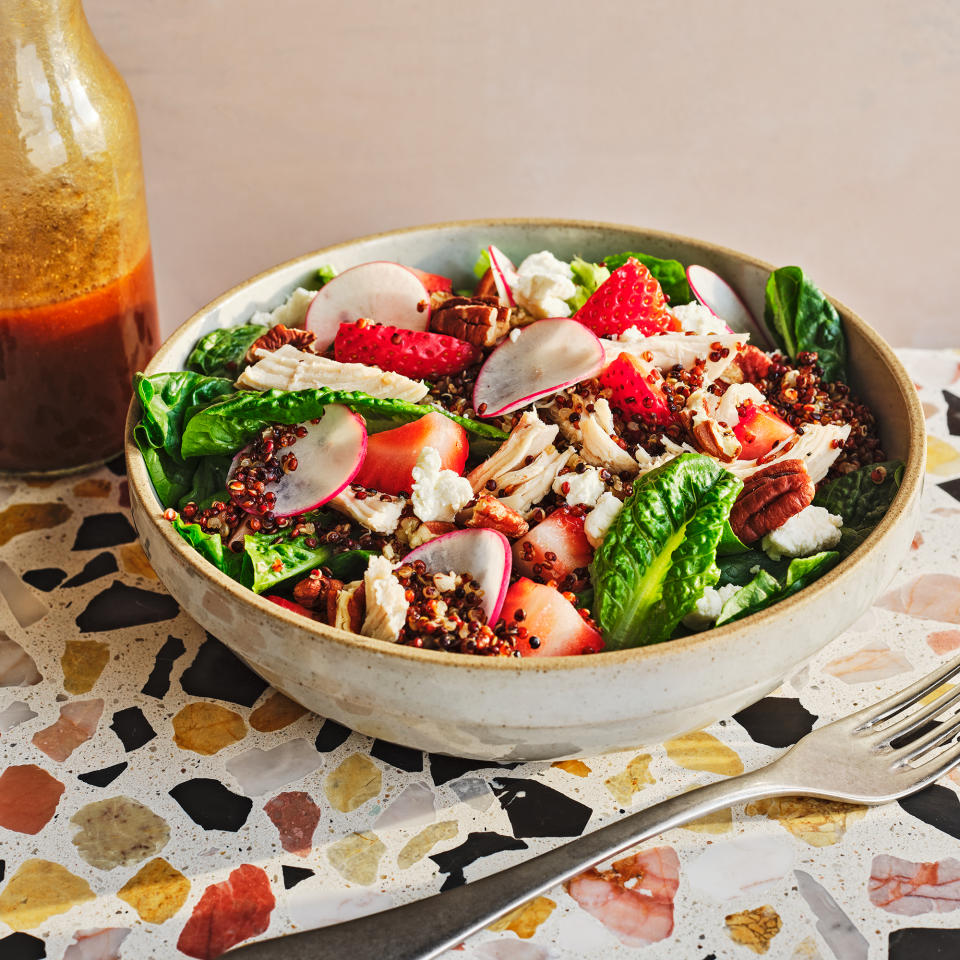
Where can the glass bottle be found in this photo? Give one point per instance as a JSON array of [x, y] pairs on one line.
[[77, 305]]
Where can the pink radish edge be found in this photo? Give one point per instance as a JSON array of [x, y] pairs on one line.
[[454, 553], [318, 458], [700, 277], [379, 290], [528, 360], [504, 274]]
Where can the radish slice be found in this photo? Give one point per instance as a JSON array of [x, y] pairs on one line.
[[723, 301], [328, 458], [504, 274], [289, 605], [432, 282], [545, 357], [381, 291], [484, 554]]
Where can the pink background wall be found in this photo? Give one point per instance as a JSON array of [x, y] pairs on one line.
[[822, 133]]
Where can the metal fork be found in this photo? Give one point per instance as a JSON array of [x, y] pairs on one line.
[[881, 753]]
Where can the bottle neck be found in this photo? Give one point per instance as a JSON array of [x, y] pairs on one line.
[[58, 22]]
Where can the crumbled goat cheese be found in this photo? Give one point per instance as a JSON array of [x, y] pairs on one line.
[[698, 319], [385, 599], [811, 530], [380, 516], [290, 313], [736, 395], [585, 488], [600, 519], [291, 369], [437, 494], [514, 334], [706, 610], [543, 285]]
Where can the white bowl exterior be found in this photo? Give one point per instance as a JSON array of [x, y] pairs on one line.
[[607, 702]]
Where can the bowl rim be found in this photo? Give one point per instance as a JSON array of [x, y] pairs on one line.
[[911, 483]]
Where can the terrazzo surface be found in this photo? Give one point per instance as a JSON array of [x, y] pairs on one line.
[[157, 799]]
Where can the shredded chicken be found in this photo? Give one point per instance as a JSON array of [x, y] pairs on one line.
[[291, 369], [815, 447], [386, 603], [669, 349], [530, 437], [349, 614], [380, 516], [537, 480], [593, 432], [648, 462]]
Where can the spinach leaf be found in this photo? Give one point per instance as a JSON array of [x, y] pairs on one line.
[[170, 474], [800, 317], [227, 425], [741, 568], [349, 565], [209, 481], [670, 274], [658, 557], [266, 563], [765, 589], [587, 277], [220, 353], [860, 500], [210, 546]]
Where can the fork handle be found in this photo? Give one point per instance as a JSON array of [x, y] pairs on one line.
[[425, 928]]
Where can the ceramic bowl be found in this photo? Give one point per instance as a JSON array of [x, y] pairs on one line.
[[534, 709]]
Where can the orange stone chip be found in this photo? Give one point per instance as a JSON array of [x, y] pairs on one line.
[[276, 713], [156, 891], [39, 890], [28, 798]]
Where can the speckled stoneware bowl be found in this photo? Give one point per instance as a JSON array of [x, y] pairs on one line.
[[497, 709]]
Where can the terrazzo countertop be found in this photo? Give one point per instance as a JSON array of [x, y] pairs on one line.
[[157, 799]]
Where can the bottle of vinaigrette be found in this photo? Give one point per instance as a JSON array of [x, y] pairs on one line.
[[78, 311]]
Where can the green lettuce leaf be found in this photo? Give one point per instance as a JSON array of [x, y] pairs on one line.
[[587, 276], [350, 565], [209, 481], [482, 265], [658, 556], [220, 353], [860, 500], [210, 546], [670, 274], [170, 474], [227, 425], [765, 589], [267, 564], [740, 568], [325, 273], [799, 317], [730, 544]]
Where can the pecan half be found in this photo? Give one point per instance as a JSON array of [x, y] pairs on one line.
[[319, 593], [481, 321], [276, 337], [769, 498], [487, 287], [490, 514], [753, 364], [716, 441]]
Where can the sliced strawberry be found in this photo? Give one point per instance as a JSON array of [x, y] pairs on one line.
[[433, 282], [629, 297], [636, 389], [392, 454], [561, 536], [554, 627], [289, 605], [760, 427], [413, 353]]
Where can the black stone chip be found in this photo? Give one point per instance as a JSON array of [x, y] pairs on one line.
[[923, 943], [331, 736], [158, 683], [443, 769], [936, 805], [776, 721], [133, 728], [45, 579], [403, 758], [104, 777], [120, 606], [536, 810], [99, 566], [3, 869], [220, 674], [953, 413], [21, 946], [211, 805], [952, 487], [101, 530], [294, 875], [477, 845]]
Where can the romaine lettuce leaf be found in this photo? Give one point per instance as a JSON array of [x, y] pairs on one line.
[[482, 265], [210, 546], [765, 589], [799, 317], [587, 276], [220, 353], [209, 481], [658, 557], [860, 500], [325, 273], [670, 274], [266, 563], [227, 425]]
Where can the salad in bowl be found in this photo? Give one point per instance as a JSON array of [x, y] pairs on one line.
[[568, 457]]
